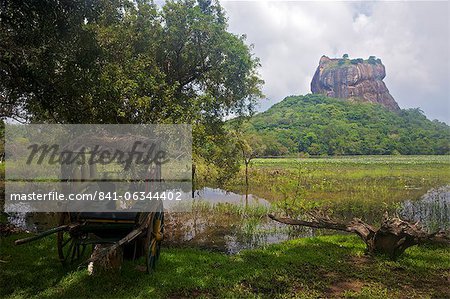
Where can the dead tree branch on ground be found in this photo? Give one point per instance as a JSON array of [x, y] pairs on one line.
[[392, 238]]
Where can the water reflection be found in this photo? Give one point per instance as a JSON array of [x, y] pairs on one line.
[[225, 221], [230, 222], [227, 233], [432, 210], [217, 195]]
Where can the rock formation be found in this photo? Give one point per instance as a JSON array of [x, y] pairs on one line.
[[353, 79]]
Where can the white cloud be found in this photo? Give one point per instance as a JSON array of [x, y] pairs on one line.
[[360, 23], [412, 39]]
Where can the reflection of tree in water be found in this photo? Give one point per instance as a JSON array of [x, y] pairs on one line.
[[432, 210]]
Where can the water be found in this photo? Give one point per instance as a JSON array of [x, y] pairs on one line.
[[235, 222], [217, 195], [231, 232], [230, 222]]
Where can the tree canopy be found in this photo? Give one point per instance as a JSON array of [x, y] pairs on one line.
[[103, 61], [123, 62]]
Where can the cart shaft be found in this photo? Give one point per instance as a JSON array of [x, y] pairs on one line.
[[41, 235]]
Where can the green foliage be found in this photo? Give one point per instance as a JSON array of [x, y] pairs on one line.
[[250, 145], [216, 158], [124, 62], [356, 61], [372, 60], [319, 125]]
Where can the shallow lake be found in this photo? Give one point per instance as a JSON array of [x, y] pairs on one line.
[[231, 232], [231, 222]]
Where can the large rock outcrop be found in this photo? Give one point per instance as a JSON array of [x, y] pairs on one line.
[[353, 79]]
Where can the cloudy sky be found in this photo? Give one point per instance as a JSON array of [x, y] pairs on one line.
[[411, 38]]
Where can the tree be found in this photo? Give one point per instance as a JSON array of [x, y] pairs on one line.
[[119, 62], [372, 60], [46, 55], [125, 62], [2, 141], [218, 159], [251, 146], [345, 56]]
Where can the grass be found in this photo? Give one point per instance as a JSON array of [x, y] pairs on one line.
[[325, 266]]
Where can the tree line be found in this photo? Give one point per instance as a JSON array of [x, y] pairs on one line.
[[318, 125]]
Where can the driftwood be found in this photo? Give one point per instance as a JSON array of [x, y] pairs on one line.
[[392, 238]]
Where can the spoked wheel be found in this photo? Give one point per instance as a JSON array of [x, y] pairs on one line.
[[70, 246], [154, 237]]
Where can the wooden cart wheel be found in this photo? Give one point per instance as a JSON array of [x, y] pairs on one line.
[[154, 237], [70, 248]]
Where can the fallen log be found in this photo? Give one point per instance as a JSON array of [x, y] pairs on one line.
[[392, 238]]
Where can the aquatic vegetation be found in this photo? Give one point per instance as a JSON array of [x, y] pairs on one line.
[[361, 186]]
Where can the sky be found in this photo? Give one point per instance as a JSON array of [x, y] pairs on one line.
[[411, 38]]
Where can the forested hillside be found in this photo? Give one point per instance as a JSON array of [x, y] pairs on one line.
[[319, 125]]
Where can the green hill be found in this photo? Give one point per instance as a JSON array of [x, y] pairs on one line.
[[319, 125]]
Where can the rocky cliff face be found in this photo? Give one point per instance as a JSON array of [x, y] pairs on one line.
[[356, 78]]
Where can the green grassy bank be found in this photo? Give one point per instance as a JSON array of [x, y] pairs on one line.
[[332, 266]]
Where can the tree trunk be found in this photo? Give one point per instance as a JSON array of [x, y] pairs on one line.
[[193, 181], [246, 173], [100, 263], [392, 238], [110, 256]]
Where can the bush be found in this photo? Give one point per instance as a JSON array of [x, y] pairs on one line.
[[372, 60]]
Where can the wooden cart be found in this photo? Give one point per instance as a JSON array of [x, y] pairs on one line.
[[138, 232]]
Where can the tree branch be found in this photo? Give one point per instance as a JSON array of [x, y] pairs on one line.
[[393, 237]]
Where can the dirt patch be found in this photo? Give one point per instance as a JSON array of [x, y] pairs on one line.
[[363, 260], [339, 287], [7, 229], [188, 294]]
